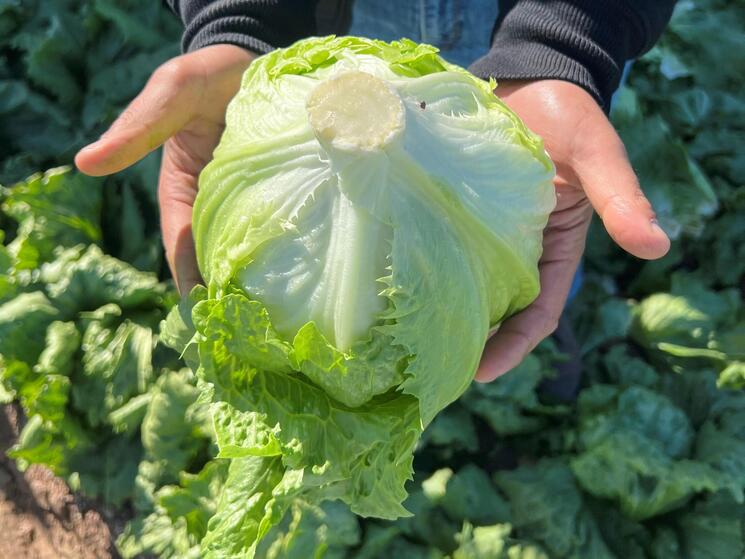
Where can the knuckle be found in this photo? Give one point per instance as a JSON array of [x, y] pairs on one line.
[[177, 72], [548, 323]]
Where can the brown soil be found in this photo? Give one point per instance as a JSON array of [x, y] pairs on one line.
[[40, 518]]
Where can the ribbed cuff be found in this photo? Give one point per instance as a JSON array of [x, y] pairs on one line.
[[585, 42], [233, 30], [256, 25]]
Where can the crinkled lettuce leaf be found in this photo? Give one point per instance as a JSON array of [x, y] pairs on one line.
[[693, 325], [493, 542], [637, 448], [548, 507], [56, 208], [178, 521], [361, 455]]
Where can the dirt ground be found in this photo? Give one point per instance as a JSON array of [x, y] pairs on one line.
[[40, 518]]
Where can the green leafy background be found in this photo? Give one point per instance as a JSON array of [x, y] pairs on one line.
[[648, 462]]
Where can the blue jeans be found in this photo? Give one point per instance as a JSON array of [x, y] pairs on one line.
[[461, 29]]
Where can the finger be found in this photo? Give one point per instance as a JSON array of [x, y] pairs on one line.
[[164, 106], [177, 189], [606, 175], [519, 335]]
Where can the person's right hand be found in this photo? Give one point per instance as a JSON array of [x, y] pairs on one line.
[[183, 107]]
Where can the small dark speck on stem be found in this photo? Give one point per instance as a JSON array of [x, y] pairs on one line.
[[422, 105]]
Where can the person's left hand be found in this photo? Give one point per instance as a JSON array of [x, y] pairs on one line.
[[592, 171]]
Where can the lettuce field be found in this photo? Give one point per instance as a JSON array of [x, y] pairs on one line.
[[648, 462]]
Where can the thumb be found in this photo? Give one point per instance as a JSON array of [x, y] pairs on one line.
[[606, 175], [164, 106]]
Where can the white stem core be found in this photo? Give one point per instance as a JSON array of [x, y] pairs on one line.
[[355, 111]]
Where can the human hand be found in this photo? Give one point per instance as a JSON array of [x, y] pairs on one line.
[[592, 171], [182, 107]]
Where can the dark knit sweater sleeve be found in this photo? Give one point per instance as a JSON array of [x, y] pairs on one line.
[[256, 25], [586, 42]]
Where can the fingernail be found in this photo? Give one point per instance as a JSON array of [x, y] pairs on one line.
[[90, 146], [656, 226]]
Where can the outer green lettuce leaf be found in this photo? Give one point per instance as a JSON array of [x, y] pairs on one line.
[[623, 536], [510, 404], [23, 322], [242, 326], [611, 321], [365, 451], [669, 318], [8, 284], [242, 434], [41, 442], [160, 535], [57, 208], [452, 431], [13, 375], [80, 391], [369, 368], [605, 410], [175, 432], [66, 448], [720, 254], [49, 53], [245, 509], [33, 128], [714, 529], [46, 396], [62, 344], [137, 244], [195, 499], [429, 525], [112, 475], [693, 323], [314, 532], [96, 279], [493, 542], [733, 376], [644, 482], [177, 330], [695, 392], [6, 396], [625, 370], [52, 436], [386, 541], [179, 520], [470, 495], [428, 263], [720, 442], [548, 507], [116, 366], [127, 418], [641, 443]]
